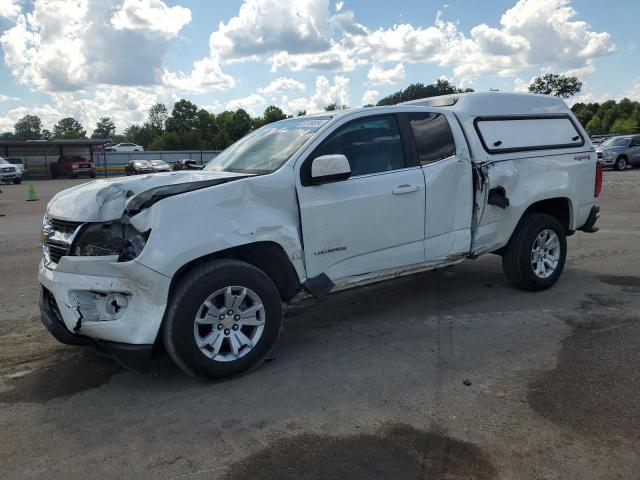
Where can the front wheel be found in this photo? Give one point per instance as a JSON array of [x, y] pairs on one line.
[[223, 320], [535, 255], [621, 164]]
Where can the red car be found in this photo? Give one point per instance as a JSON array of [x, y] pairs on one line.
[[72, 167]]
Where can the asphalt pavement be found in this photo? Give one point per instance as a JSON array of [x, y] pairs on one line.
[[452, 374]]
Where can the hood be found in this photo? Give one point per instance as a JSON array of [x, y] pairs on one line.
[[105, 200]]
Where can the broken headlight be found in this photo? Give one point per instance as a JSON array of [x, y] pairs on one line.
[[115, 238]]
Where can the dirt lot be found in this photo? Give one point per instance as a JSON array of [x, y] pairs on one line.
[[451, 374]]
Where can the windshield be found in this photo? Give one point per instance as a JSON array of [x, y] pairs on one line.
[[268, 148], [141, 163], [615, 142], [158, 163]]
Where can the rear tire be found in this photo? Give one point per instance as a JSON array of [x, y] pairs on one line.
[[199, 327], [535, 256], [621, 164]]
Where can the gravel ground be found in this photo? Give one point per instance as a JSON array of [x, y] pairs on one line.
[[451, 374]]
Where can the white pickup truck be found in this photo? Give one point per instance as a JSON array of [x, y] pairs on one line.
[[204, 260]]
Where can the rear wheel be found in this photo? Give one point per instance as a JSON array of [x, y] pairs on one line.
[[536, 253], [621, 164], [223, 320]]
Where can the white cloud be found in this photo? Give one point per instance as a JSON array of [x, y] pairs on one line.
[[253, 104], [61, 44], [335, 59], [9, 8], [283, 85], [633, 93], [324, 94], [339, 6], [150, 15], [378, 76], [6, 98], [370, 97], [521, 86], [205, 75], [268, 26]]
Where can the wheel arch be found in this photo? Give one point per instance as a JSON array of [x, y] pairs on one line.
[[559, 207], [268, 256]]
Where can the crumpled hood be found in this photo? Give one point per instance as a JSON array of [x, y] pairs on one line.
[[105, 200]]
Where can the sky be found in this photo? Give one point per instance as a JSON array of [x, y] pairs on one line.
[[116, 58]]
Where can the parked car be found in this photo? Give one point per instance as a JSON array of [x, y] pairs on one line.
[[72, 166], [138, 167], [160, 166], [204, 260], [620, 152], [9, 173], [18, 163], [187, 164], [125, 147]]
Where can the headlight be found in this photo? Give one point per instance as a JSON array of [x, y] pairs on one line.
[[608, 154], [98, 239]]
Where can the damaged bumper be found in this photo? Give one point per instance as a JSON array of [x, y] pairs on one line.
[[103, 304]]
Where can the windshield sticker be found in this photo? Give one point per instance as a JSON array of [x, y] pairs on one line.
[[313, 123]]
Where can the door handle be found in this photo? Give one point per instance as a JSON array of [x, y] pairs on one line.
[[402, 189]]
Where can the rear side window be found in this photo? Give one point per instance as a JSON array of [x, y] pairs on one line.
[[371, 145], [433, 136], [516, 134]]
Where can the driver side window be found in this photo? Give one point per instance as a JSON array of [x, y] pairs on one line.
[[371, 145]]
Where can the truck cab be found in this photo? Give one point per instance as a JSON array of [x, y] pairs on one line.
[[203, 260]]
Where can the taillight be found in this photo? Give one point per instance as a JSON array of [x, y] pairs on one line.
[[598, 187]]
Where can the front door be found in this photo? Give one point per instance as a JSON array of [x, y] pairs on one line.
[[373, 220]]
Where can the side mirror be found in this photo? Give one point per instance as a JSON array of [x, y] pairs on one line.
[[329, 168]]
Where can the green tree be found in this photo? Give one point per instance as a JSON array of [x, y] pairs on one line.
[[624, 126], [105, 128], [558, 85], [301, 113], [332, 107], [240, 124], [140, 134], [416, 91], [207, 128], [184, 117], [28, 128], [273, 114], [158, 115], [594, 127], [7, 136], [69, 128], [47, 135]]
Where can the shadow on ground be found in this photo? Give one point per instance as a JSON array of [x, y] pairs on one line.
[[400, 452]]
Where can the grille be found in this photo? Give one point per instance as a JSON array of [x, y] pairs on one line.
[[56, 251], [58, 240], [63, 226], [7, 170]]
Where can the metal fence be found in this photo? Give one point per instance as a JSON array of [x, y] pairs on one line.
[[111, 163]]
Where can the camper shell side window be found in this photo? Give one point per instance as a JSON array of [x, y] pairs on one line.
[[523, 133]]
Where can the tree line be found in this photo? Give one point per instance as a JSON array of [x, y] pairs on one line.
[[188, 127]]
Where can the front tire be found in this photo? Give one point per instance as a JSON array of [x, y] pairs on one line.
[[223, 320], [621, 164], [536, 254]]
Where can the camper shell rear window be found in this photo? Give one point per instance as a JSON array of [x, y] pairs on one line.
[[524, 133]]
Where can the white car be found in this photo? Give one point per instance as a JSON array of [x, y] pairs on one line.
[[9, 173], [204, 260], [126, 147]]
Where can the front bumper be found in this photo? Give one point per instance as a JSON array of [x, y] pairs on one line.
[[7, 177], [133, 357], [97, 301]]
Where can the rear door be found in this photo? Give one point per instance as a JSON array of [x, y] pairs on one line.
[[372, 221], [442, 152]]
